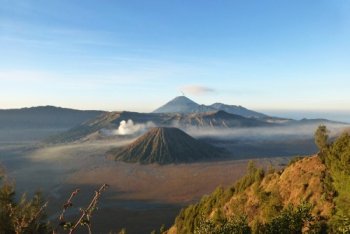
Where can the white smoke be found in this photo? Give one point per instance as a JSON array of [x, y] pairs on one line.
[[128, 128]]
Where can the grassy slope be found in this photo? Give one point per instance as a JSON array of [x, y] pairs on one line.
[[322, 180], [262, 198]]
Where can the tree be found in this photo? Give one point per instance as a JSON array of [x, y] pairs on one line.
[[291, 220], [321, 137], [235, 225], [24, 216]]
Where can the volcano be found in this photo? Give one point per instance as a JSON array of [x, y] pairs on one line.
[[165, 145]]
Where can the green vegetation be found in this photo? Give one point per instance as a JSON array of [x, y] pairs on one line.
[[294, 220], [253, 175], [237, 225], [24, 216], [312, 195], [337, 159], [321, 137], [290, 220], [191, 218], [28, 216]]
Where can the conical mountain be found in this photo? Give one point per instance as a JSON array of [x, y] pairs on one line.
[[165, 145], [182, 104]]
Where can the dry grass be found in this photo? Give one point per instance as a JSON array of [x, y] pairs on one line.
[[302, 181]]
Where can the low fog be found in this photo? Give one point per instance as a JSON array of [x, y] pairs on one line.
[[264, 133]]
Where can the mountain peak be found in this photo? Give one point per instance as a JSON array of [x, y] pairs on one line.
[[182, 99], [165, 145], [180, 104]]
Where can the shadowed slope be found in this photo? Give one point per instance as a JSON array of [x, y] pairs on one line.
[[44, 117], [165, 145]]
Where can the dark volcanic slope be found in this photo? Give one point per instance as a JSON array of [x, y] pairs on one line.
[[44, 117], [165, 145], [216, 119]]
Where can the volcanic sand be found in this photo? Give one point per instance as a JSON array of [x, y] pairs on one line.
[[140, 197]]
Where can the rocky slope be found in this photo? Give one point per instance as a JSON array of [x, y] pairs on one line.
[[165, 145]]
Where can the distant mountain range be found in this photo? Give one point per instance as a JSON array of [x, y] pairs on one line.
[[112, 120], [180, 112], [182, 104], [44, 117]]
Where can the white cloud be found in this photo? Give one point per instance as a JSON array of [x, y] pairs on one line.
[[196, 89]]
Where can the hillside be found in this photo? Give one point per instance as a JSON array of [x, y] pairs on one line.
[[44, 117], [111, 120], [310, 195], [215, 119], [165, 145]]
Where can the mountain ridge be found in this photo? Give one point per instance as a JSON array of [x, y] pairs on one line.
[[182, 104], [238, 110], [44, 116], [112, 120]]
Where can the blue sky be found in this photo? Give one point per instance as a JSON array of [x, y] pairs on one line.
[[136, 55]]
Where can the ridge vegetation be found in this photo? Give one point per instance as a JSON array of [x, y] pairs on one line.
[[311, 195]]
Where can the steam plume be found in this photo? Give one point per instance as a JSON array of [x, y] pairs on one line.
[[128, 128]]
